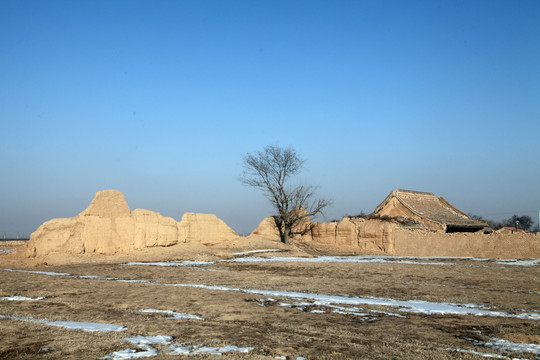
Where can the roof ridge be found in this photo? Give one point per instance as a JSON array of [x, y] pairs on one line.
[[404, 191]]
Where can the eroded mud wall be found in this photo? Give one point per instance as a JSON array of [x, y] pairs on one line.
[[352, 236], [427, 243], [108, 227]]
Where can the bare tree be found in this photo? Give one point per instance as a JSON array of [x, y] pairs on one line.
[[522, 222], [270, 170]]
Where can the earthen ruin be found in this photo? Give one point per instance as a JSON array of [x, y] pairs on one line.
[[411, 223], [406, 223], [108, 227]]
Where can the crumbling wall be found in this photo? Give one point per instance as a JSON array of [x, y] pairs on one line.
[[352, 234], [108, 227], [427, 243], [153, 229], [267, 228], [206, 228], [376, 236]]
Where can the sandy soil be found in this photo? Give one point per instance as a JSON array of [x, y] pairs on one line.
[[253, 320]]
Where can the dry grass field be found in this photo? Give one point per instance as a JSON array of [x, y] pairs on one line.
[[379, 308]]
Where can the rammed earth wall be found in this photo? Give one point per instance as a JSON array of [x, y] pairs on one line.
[[381, 237], [427, 243]]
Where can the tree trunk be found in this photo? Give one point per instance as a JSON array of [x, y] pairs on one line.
[[285, 235]]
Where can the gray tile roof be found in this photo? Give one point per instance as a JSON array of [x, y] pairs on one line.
[[429, 207]]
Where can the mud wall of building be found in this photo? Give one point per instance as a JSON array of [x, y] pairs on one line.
[[351, 236], [427, 243]]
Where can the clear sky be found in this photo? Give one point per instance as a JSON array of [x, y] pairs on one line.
[[161, 99]]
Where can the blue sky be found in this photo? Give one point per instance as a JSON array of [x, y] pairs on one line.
[[161, 99]]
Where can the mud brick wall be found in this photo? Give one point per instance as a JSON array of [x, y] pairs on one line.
[[427, 243]]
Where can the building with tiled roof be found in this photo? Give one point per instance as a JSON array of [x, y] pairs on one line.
[[426, 208]]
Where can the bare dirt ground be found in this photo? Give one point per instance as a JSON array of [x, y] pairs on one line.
[[274, 326]]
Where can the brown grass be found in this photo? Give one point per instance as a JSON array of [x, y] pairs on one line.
[[236, 318]]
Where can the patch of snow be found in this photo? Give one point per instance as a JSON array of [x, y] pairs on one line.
[[71, 325], [131, 354], [139, 281], [265, 302], [144, 344], [488, 355], [338, 259], [171, 263], [38, 272], [182, 349], [45, 349], [201, 286], [233, 348], [475, 259], [413, 306], [387, 313], [152, 340], [530, 262], [343, 310], [95, 277], [505, 345], [319, 259], [172, 314], [206, 350], [413, 260], [348, 311], [257, 251], [21, 298], [87, 326]]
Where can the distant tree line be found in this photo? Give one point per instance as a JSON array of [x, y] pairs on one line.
[[522, 222]]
